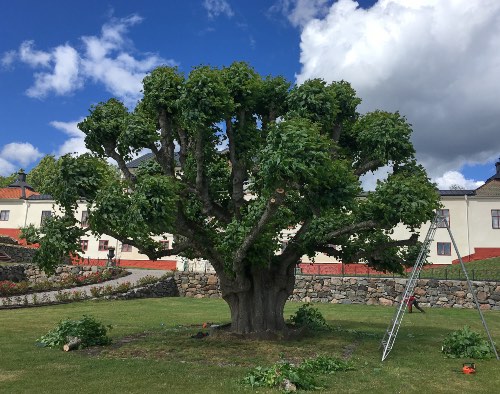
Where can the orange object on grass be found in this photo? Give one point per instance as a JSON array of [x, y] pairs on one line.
[[469, 368]]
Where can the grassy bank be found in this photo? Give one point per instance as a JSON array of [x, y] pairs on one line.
[[153, 350], [488, 269]]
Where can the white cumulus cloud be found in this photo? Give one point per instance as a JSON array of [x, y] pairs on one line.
[[76, 141], [453, 179], [64, 77], [106, 60], [215, 8], [109, 59], [6, 167], [437, 62], [22, 153], [300, 12], [8, 58], [33, 57]]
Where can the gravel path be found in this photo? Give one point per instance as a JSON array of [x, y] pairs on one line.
[[48, 296]]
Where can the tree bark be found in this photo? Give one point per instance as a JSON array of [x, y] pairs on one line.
[[257, 307], [73, 343]]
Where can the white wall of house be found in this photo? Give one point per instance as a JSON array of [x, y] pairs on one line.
[[15, 210], [25, 212], [470, 223]]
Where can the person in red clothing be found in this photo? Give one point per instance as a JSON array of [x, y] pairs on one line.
[[412, 302]]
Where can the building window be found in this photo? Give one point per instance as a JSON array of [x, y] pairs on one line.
[[4, 215], [103, 244], [84, 245], [445, 214], [126, 248], [495, 218], [165, 245], [444, 249], [45, 215], [85, 219]]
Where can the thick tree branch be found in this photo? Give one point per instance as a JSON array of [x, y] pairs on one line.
[[200, 241], [238, 172], [209, 207], [363, 254], [337, 131], [152, 253], [271, 207], [183, 144], [366, 225], [367, 166], [165, 155], [109, 149], [292, 253]]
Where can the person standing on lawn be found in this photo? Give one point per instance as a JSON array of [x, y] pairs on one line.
[[412, 302]]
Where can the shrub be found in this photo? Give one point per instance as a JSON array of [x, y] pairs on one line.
[[7, 287], [63, 296], [107, 290], [146, 280], [69, 280], [286, 375], [78, 295], [326, 365], [95, 291], [42, 285], [88, 329], [465, 343], [310, 317], [122, 287]]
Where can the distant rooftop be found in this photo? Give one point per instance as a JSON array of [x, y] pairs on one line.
[[141, 159], [40, 197], [17, 189], [457, 192], [148, 156]]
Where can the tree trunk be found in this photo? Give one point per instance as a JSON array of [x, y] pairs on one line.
[[257, 307], [73, 343]]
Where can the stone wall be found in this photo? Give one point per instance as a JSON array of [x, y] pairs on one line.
[[165, 287], [13, 273], [17, 253], [370, 291], [197, 285], [5, 239], [32, 273], [382, 291]]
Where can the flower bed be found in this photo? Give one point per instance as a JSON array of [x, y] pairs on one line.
[[9, 288]]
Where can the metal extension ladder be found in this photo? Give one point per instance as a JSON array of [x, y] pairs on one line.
[[393, 328]]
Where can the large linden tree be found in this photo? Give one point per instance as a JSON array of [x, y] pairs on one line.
[[238, 159]]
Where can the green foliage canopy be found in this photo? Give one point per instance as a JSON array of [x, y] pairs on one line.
[[237, 159]]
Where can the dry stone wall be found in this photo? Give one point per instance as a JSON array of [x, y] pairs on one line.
[[165, 287], [13, 273], [369, 291], [197, 285], [31, 272], [17, 253], [381, 291]]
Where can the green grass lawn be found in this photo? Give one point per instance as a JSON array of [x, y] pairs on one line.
[[153, 351], [488, 269]]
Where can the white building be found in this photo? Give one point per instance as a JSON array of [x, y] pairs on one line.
[[21, 206], [474, 217]]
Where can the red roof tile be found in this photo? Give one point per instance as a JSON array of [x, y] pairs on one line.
[[14, 193], [16, 233]]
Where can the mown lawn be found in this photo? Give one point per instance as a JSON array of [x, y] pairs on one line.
[[488, 269], [153, 350]]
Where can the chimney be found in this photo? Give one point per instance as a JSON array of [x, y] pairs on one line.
[[497, 165], [21, 177]]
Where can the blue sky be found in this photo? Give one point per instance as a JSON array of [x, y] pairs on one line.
[[59, 57]]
